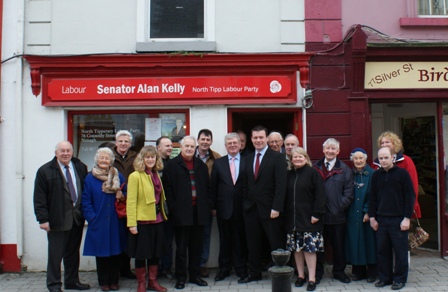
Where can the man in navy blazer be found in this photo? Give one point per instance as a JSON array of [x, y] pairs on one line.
[[227, 193], [264, 200]]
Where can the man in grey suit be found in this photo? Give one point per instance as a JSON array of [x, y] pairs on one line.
[[57, 205], [227, 192]]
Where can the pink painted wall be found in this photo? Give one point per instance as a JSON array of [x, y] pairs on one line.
[[386, 16], [323, 21]]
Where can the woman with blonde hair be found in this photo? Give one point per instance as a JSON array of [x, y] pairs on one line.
[[305, 208], [145, 213]]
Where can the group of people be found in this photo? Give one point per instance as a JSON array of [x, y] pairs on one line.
[[274, 195]]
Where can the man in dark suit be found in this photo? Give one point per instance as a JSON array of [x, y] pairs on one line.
[[264, 202], [227, 193], [57, 206], [187, 189]]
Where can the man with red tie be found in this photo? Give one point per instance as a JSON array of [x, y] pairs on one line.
[[263, 204]]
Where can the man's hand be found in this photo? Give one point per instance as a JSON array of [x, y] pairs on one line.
[[373, 223], [45, 226], [274, 214], [314, 220], [213, 213], [405, 224]]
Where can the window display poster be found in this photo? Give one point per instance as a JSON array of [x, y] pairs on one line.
[[153, 128], [173, 126]]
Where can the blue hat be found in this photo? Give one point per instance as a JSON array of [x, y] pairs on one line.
[[358, 149]]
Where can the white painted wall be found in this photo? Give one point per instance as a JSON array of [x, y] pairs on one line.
[[11, 194], [104, 26]]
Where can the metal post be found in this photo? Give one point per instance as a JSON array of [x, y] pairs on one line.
[[280, 273]]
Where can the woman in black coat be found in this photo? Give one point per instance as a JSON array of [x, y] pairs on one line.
[[305, 208]]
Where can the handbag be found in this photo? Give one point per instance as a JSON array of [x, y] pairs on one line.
[[120, 206], [419, 236]]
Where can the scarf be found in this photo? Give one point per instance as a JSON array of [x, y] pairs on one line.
[[111, 181]]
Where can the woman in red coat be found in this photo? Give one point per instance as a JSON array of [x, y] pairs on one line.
[[393, 142]]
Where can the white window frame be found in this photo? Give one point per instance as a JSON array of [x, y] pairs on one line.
[[143, 23], [444, 4]]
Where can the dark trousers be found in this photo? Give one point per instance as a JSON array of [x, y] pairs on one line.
[[232, 246], [125, 261], [391, 241], [107, 269], [188, 238], [166, 260], [335, 236], [63, 245], [256, 228]]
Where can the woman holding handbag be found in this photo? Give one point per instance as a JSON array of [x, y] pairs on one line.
[[106, 233], [145, 213]]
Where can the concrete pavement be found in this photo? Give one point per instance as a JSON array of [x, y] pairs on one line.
[[428, 272]]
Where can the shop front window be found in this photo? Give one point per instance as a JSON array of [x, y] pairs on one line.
[[91, 130]]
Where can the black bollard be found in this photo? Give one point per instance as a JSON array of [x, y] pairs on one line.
[[280, 273]]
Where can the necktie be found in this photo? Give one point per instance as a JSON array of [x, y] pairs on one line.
[[327, 165], [71, 186], [257, 165], [233, 169]]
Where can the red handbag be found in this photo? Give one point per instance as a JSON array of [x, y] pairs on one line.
[[120, 206]]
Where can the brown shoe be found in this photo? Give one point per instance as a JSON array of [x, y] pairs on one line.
[[204, 273]]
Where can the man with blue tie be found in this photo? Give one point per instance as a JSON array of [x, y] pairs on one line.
[[264, 201], [227, 181], [57, 205]]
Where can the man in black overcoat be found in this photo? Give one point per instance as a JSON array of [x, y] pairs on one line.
[[57, 206], [188, 194]]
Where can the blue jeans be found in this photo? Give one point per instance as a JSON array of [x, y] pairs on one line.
[[206, 242]]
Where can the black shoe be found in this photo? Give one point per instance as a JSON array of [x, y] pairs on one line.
[[221, 276], [371, 279], [250, 278], [299, 282], [359, 277], [198, 281], [180, 284], [381, 284], [342, 278], [77, 286], [311, 286], [204, 273], [129, 274], [318, 279], [55, 290], [397, 286], [166, 273]]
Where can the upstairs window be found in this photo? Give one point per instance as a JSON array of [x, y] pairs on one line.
[[433, 7], [176, 19]]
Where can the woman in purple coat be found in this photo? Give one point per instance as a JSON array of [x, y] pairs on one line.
[[106, 234]]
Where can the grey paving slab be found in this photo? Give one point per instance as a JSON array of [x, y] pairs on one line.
[[428, 272]]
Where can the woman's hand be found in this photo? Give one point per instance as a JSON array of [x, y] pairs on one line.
[[133, 230], [366, 218], [119, 195]]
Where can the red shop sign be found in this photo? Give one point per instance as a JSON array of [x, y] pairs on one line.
[[175, 90]]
